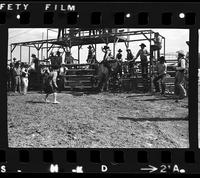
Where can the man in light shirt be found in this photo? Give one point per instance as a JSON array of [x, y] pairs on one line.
[[180, 91], [161, 75], [143, 53]]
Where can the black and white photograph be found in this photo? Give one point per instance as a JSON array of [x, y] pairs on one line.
[[98, 88]]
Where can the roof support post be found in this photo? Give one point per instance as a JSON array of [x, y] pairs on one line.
[[29, 54], [11, 53], [20, 53]]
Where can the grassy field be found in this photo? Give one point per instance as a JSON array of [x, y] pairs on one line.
[[104, 120]]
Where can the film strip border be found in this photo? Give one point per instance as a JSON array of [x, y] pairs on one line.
[[164, 15], [134, 15], [97, 160]]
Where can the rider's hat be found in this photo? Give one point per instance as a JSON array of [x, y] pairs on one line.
[[33, 55], [89, 47], [119, 50], [142, 44], [106, 47]]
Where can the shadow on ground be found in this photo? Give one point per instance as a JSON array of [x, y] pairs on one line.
[[153, 119]]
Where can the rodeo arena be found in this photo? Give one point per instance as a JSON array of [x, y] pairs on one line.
[[132, 98]]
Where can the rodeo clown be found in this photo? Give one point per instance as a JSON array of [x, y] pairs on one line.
[[180, 91]]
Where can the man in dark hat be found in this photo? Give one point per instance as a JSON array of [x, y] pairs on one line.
[[119, 55], [143, 53], [161, 68]]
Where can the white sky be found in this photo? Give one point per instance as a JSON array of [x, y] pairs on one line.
[[175, 40]]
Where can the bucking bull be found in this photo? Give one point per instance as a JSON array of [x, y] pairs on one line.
[[108, 72]]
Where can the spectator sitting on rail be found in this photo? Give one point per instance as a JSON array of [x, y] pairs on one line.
[[50, 85], [180, 91], [143, 53], [161, 68], [157, 42]]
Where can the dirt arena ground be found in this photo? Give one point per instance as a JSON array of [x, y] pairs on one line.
[[104, 120]]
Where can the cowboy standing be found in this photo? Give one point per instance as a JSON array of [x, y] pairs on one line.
[[130, 60], [161, 75], [143, 53], [119, 55], [17, 77], [179, 78]]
